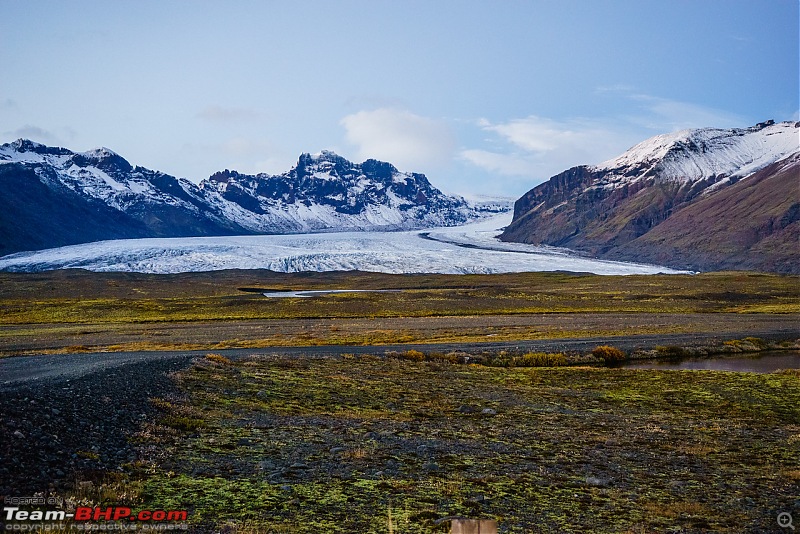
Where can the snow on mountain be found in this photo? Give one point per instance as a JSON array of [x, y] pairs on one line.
[[50, 196], [607, 209], [325, 191], [702, 154], [101, 174], [471, 248]]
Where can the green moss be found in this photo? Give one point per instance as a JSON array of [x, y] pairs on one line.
[[182, 423], [309, 445]]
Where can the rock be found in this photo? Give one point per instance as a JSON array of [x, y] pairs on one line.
[[430, 466], [488, 411], [597, 482], [466, 408], [337, 450], [266, 465], [19, 435]]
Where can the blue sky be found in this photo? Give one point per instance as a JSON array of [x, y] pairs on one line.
[[488, 97]]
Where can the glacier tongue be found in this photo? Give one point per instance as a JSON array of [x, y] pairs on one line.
[[454, 250]]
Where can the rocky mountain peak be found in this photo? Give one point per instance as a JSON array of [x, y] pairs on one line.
[[26, 145], [20, 147], [104, 159], [98, 194]]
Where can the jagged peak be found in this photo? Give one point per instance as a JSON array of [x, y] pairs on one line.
[[26, 145], [325, 156], [100, 153], [226, 176]]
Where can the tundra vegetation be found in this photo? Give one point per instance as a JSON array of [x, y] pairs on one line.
[[399, 441], [358, 443], [73, 311]]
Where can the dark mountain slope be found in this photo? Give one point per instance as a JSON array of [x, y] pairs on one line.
[[753, 224], [701, 199], [35, 216]]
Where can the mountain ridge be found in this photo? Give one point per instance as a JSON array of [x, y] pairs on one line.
[[51, 196], [606, 209]]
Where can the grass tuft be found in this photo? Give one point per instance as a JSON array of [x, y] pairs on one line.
[[609, 354], [218, 358]]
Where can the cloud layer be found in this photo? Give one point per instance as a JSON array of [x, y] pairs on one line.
[[535, 148], [409, 141]]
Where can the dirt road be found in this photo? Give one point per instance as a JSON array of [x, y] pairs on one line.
[[30, 370]]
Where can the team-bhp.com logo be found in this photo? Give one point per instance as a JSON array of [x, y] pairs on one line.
[[150, 519]]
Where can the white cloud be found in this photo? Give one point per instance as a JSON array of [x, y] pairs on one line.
[[506, 164], [410, 142], [539, 147], [253, 156]]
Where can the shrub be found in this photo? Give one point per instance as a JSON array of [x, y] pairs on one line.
[[413, 355], [608, 354], [539, 359], [450, 357], [757, 342], [531, 359], [410, 355], [218, 358]]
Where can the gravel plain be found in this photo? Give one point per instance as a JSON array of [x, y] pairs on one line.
[[67, 416]]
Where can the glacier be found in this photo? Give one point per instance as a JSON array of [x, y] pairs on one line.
[[467, 249]]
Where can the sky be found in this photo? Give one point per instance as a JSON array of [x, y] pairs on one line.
[[484, 97]]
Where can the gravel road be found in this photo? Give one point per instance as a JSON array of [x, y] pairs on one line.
[[22, 371]]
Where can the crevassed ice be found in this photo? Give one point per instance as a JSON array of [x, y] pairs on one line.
[[470, 248]]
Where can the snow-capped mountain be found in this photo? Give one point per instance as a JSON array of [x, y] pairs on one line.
[[614, 209], [51, 196], [713, 154], [326, 191]]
